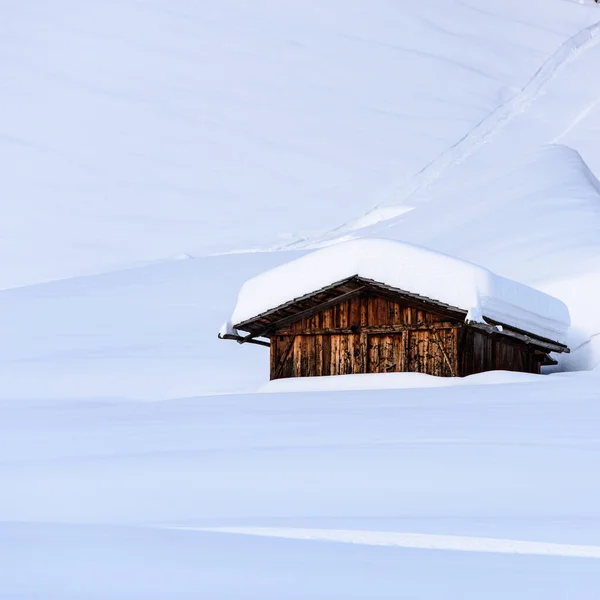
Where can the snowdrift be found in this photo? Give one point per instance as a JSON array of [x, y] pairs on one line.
[[392, 381]]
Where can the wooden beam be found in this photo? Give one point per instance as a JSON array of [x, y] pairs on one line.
[[360, 329], [547, 361], [526, 339], [535, 339], [248, 339], [332, 288], [277, 325], [358, 283], [364, 349], [436, 338], [283, 358]]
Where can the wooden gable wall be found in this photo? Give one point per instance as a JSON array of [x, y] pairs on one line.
[[367, 334]]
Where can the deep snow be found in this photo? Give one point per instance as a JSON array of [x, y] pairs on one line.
[[135, 133], [91, 490]]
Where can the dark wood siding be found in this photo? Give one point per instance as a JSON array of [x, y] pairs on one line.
[[311, 355], [373, 334], [480, 352], [366, 334], [385, 353], [433, 351], [367, 311]]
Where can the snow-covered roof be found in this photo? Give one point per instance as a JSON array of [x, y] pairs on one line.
[[414, 269]]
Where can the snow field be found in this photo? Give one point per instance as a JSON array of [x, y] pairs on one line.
[[507, 462], [135, 133]]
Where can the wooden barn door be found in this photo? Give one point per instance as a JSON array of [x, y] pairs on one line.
[[432, 352], [419, 351], [385, 353]]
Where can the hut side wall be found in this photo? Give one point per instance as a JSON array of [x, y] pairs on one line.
[[481, 352], [367, 334]]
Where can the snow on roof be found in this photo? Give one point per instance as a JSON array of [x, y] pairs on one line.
[[414, 269]]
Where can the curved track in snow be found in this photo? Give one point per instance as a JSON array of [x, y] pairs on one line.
[[488, 127], [421, 541]]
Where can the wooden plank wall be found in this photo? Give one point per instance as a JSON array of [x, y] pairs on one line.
[[433, 352], [312, 355], [481, 352], [367, 311], [371, 334], [312, 346]]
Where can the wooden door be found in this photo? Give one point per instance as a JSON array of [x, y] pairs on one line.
[[385, 353], [432, 352]]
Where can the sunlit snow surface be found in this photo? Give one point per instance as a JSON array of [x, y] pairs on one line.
[[134, 133], [140, 130], [91, 492]]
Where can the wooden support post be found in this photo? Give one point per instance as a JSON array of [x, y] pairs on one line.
[[283, 358], [436, 338], [364, 352]]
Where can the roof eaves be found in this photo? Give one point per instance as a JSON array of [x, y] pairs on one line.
[[491, 326]]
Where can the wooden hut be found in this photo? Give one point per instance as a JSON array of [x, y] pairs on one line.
[[360, 325]]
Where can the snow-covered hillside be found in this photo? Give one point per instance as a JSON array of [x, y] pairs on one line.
[[134, 131], [158, 153]]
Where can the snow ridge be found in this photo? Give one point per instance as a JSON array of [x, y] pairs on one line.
[[422, 541]]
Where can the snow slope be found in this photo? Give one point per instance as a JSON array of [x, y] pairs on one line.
[[139, 130], [144, 333]]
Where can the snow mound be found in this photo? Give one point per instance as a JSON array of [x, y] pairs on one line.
[[414, 269], [391, 381]]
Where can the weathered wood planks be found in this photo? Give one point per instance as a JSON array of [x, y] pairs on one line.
[[366, 333]]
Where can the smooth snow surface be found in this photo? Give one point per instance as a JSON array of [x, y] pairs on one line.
[[91, 490], [140, 138], [391, 381], [146, 333], [135, 131], [412, 269]]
